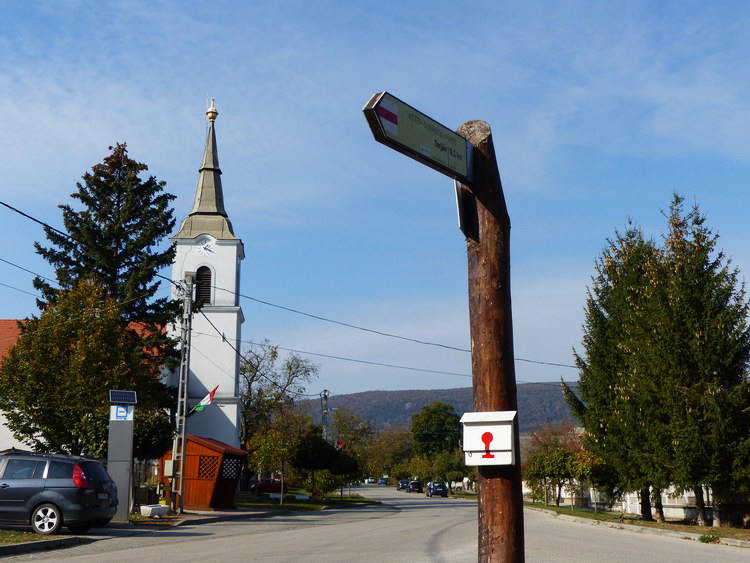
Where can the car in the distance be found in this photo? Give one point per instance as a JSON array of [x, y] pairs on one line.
[[370, 480], [383, 481], [402, 484], [414, 487], [49, 491], [270, 485], [436, 488]]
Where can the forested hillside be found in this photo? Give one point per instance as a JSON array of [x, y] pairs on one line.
[[539, 404]]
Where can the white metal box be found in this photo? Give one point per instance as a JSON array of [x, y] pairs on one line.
[[489, 438]]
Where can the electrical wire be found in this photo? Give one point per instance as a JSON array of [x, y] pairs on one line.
[[317, 354], [289, 309]]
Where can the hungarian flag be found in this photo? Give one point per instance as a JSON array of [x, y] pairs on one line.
[[207, 400]]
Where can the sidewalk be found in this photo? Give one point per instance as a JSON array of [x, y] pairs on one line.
[[638, 529], [115, 530]]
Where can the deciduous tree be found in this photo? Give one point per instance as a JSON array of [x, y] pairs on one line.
[[54, 383], [269, 385], [435, 428]]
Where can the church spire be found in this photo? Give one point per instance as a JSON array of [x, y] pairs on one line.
[[208, 215]]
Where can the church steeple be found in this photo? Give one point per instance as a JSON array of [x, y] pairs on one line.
[[207, 249], [208, 215]]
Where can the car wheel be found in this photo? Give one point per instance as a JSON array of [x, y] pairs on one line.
[[46, 519], [80, 528]]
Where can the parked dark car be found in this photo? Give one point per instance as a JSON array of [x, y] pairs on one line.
[[270, 485], [436, 488], [414, 487], [402, 484], [51, 491]]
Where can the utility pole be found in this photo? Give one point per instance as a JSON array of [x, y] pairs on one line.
[[324, 409], [500, 500], [178, 445]]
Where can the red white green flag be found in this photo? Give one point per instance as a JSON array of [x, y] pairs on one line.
[[207, 400]]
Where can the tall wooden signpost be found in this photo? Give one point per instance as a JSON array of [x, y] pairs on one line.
[[468, 156]]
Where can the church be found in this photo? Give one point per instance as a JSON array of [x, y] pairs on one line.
[[208, 250]]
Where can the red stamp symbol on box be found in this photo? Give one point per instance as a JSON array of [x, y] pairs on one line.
[[487, 439]]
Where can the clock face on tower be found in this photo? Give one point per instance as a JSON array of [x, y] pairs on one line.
[[205, 246]]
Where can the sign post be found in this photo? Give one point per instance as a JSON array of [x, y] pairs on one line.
[[487, 228]]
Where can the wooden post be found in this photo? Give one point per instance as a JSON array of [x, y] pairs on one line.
[[499, 487]]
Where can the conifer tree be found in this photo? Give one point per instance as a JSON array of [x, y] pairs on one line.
[[114, 238], [663, 378], [701, 358], [611, 403]]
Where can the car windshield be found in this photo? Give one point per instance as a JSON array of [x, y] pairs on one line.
[[438, 484]]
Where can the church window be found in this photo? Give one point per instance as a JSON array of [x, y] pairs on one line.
[[203, 285]]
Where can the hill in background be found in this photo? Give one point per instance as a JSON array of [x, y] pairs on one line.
[[539, 404]]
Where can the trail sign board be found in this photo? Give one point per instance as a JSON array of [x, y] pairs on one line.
[[410, 132]]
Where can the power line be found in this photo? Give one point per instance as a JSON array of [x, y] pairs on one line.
[[381, 333], [317, 354], [289, 309], [18, 289], [239, 354], [28, 271], [354, 360], [348, 325]]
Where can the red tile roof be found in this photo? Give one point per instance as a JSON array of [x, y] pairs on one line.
[[9, 333]]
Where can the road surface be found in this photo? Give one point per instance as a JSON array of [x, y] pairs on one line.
[[407, 527]]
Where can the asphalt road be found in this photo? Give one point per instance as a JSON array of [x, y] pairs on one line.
[[405, 528]]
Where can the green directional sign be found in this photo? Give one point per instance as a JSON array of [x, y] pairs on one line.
[[403, 128]]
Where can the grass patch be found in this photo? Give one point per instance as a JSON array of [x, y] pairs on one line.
[[18, 536], [710, 537], [676, 526], [263, 502], [464, 494]]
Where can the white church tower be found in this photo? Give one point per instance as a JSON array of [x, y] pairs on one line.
[[207, 247]]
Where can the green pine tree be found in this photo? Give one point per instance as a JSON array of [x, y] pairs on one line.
[[115, 239], [702, 356], [664, 395], [613, 406]]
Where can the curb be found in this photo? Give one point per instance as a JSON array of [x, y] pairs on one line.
[[639, 529], [201, 519], [41, 545]]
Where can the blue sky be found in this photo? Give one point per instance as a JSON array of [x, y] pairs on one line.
[[599, 111]]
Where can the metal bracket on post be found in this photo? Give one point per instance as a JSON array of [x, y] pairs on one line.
[[178, 445]]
